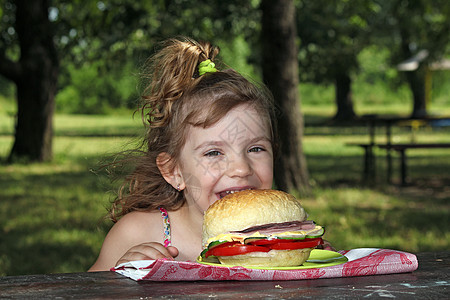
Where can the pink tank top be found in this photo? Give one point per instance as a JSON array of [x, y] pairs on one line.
[[166, 224]]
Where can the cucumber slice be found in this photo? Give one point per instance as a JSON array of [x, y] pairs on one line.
[[316, 234], [202, 254], [215, 243], [210, 246]]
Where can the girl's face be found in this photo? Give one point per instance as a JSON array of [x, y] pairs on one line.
[[234, 154]]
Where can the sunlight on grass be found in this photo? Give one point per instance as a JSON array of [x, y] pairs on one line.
[[5, 145], [109, 125]]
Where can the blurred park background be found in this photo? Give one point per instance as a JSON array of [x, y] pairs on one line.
[[53, 205]]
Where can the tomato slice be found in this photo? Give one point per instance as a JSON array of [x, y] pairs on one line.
[[237, 249], [263, 245], [262, 242], [214, 245], [306, 243]]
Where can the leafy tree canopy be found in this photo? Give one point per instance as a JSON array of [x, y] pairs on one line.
[[332, 33]]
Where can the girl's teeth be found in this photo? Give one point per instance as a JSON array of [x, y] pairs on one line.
[[223, 194]]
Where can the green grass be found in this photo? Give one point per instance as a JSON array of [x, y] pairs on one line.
[[52, 213]]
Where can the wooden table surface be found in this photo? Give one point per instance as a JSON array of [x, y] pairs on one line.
[[430, 281]]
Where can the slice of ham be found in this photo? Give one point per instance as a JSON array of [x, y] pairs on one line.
[[268, 229]]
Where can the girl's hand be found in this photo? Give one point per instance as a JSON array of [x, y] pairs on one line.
[[150, 250]]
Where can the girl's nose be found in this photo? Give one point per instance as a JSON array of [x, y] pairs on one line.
[[240, 166]]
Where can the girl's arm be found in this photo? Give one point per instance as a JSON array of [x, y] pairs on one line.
[[136, 236]]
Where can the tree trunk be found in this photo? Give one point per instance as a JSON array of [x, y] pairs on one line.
[[344, 99], [416, 81], [415, 78], [280, 72], [36, 82]]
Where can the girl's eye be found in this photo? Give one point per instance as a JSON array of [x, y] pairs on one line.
[[256, 149], [213, 153]]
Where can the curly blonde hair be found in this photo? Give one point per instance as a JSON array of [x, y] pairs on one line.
[[174, 98]]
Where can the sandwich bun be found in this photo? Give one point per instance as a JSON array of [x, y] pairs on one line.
[[238, 212]]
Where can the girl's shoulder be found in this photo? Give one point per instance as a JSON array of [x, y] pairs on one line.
[[139, 218], [131, 230], [139, 224]]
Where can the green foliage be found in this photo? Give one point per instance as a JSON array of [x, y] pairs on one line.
[[103, 43], [374, 65], [103, 48], [414, 26], [6, 88], [96, 89], [375, 84], [331, 36], [440, 88], [314, 95], [7, 106], [236, 55]]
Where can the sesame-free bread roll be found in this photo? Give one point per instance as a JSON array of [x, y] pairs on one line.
[[258, 214]]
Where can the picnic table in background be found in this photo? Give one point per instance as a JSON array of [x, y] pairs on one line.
[[388, 121], [431, 280]]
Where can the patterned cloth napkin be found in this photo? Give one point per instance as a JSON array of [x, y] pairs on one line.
[[361, 262]]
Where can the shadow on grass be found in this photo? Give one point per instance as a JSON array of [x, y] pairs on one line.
[[53, 222], [43, 256]]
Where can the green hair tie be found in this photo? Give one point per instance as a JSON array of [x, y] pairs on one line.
[[206, 66]]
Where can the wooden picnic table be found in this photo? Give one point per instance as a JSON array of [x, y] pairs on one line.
[[388, 121], [430, 281]]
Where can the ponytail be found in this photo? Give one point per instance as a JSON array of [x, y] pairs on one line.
[[172, 71]]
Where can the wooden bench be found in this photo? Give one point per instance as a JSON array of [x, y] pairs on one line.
[[369, 171], [401, 148], [369, 160]]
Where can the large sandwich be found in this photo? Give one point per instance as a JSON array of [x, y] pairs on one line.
[[259, 228]]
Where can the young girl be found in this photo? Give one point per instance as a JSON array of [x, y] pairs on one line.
[[211, 133]]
